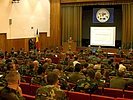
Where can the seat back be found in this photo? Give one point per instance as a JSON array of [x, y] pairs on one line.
[[33, 89], [113, 92], [78, 96], [122, 99], [100, 97], [27, 79], [99, 91], [128, 94], [130, 88], [25, 87], [28, 97]]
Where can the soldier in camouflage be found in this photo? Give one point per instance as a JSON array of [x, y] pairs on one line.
[[12, 91], [51, 91]]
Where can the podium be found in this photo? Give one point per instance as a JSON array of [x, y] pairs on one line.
[[69, 45]]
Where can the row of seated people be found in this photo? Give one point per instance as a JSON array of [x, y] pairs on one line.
[[83, 96], [71, 71], [12, 90], [38, 70], [30, 89]]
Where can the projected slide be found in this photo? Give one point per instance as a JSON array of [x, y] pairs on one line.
[[103, 36]]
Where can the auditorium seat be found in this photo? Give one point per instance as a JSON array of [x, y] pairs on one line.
[[99, 91], [122, 99], [113, 92], [78, 96], [33, 88], [28, 97], [130, 88], [100, 97], [118, 60], [25, 87], [71, 85], [27, 79], [55, 60], [128, 94]]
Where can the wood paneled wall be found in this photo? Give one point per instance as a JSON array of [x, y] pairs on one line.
[[17, 44], [7, 44], [81, 1], [3, 41], [55, 28], [77, 1], [45, 42]]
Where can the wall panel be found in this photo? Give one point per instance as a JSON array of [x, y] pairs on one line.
[[49, 42], [81, 1], [3, 41], [55, 39], [16, 44]]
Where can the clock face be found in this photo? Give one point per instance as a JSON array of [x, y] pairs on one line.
[[102, 15]]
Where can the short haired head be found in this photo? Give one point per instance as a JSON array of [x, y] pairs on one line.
[[36, 63], [13, 77], [120, 73], [52, 78], [98, 75], [77, 67], [91, 73]]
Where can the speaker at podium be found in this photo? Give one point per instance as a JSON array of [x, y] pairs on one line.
[[69, 45]]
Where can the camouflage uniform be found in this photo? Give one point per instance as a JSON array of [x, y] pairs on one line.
[[63, 83], [7, 92], [39, 80], [75, 76], [50, 92], [86, 85]]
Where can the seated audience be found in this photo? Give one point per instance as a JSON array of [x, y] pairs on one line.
[[75, 61], [40, 78], [98, 79], [87, 84], [76, 75], [51, 91], [119, 82], [12, 91]]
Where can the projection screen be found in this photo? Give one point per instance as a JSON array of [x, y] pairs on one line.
[[102, 36]]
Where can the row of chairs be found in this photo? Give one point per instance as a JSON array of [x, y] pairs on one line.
[[83, 96], [29, 89], [28, 97], [111, 92]]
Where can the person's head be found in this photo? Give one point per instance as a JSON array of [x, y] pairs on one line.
[[116, 66], [122, 68], [41, 71], [120, 73], [85, 65], [106, 73], [57, 71], [35, 64], [9, 66], [119, 48], [59, 66], [91, 73], [70, 38], [49, 60], [52, 78], [15, 64], [75, 58], [98, 75], [77, 67], [13, 77]]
